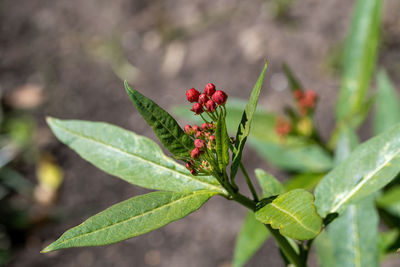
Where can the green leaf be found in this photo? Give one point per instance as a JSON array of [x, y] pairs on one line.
[[269, 184], [353, 237], [293, 81], [130, 218], [387, 105], [294, 214], [390, 200], [133, 158], [243, 130], [222, 143], [251, 237], [359, 59], [386, 241], [163, 124], [303, 180], [370, 167]]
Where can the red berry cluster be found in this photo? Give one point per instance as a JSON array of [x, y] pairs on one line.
[[204, 138], [306, 100], [209, 100], [283, 127]]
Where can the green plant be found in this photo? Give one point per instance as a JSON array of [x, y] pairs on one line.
[[352, 181]]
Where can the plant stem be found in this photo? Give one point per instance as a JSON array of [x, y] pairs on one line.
[[286, 248], [249, 183]]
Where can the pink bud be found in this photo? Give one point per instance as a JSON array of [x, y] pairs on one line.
[[210, 105], [193, 172], [219, 97], [199, 133], [197, 108], [212, 138], [188, 165], [204, 126], [203, 99], [297, 94], [210, 89], [195, 153], [192, 95], [196, 128], [188, 129], [211, 126], [199, 143]]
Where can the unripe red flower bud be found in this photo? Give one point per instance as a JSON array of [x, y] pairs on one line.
[[188, 129], [200, 144], [197, 108], [203, 99], [210, 89], [193, 172], [196, 128], [199, 133], [210, 105], [204, 126], [195, 153], [188, 166], [219, 97], [192, 95], [211, 126], [212, 138], [297, 94]]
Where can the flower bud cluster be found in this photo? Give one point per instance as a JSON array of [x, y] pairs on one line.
[[204, 139], [306, 100], [282, 127], [206, 101]]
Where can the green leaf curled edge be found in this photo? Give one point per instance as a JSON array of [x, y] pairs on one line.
[[133, 158], [359, 59], [163, 124], [251, 237], [294, 214], [270, 186], [369, 167], [387, 105], [222, 143], [243, 130], [130, 218]]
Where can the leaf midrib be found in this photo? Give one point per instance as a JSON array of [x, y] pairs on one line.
[[294, 217], [361, 184], [164, 126], [217, 189], [133, 218]]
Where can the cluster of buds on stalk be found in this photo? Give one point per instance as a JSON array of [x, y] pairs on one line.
[[282, 127], [210, 102], [207, 101], [305, 100]]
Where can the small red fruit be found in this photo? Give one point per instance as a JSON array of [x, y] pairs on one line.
[[219, 97], [192, 95], [210, 105], [203, 99], [210, 89], [197, 108]]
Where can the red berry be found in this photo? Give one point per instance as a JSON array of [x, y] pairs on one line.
[[203, 99], [210, 105], [200, 144], [192, 95], [197, 108], [219, 97], [195, 153], [188, 129], [210, 89]]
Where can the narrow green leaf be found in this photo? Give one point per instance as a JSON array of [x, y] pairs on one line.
[[370, 167], [359, 59], [163, 124], [293, 81], [251, 237], [390, 200], [269, 184], [243, 130], [303, 180], [387, 105], [294, 214], [130, 218], [133, 158], [354, 236], [222, 143], [386, 241]]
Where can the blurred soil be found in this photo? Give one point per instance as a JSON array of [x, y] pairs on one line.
[[80, 52]]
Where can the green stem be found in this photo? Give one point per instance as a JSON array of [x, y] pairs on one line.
[[249, 183]]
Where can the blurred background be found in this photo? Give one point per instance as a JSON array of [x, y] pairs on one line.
[[68, 59]]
